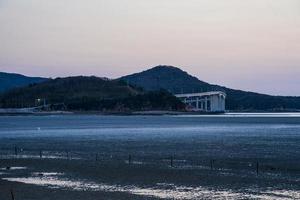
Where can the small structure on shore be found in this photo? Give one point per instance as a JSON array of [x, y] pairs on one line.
[[213, 101]]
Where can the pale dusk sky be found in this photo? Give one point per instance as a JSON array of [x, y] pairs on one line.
[[251, 45]]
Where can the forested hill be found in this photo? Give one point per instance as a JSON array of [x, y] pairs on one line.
[[90, 93], [177, 81], [10, 80]]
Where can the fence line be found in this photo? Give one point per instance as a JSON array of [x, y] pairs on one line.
[[210, 164]]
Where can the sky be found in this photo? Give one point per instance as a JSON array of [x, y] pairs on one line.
[[250, 45]]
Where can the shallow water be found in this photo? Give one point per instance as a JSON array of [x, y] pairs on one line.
[[218, 149]]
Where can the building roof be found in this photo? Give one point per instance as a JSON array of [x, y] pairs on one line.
[[201, 94]]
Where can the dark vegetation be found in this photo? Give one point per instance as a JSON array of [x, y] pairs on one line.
[[177, 81], [90, 94], [9, 81]]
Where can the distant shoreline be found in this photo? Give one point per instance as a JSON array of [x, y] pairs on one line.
[[142, 113]]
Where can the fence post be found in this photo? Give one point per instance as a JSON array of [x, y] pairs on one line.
[[12, 194], [211, 164], [96, 156], [171, 161], [257, 168], [16, 150], [129, 159], [68, 155], [41, 153]]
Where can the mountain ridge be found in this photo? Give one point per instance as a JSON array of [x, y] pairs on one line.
[[82, 93], [178, 81], [13, 80]]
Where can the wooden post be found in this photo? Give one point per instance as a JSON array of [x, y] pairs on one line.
[[12, 194], [129, 159], [16, 150], [171, 161], [41, 153], [68, 155], [211, 164], [96, 157], [257, 168]]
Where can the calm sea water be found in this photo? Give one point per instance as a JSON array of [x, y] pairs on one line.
[[257, 136], [231, 145]]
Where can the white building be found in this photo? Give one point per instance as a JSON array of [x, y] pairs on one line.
[[205, 102]]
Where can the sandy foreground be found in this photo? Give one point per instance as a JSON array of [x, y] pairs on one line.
[[79, 179]]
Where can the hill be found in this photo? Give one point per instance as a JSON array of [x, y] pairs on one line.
[[9, 81], [177, 81], [90, 93]]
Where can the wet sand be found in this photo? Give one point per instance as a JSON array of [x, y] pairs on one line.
[[82, 179], [87, 157]]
